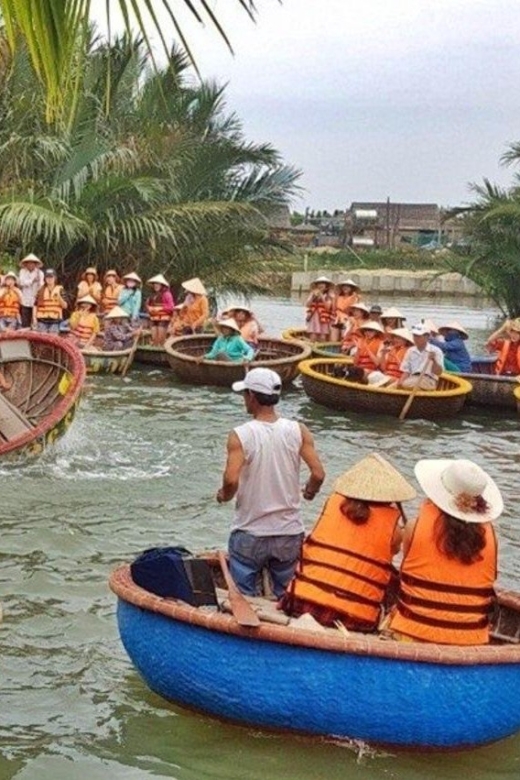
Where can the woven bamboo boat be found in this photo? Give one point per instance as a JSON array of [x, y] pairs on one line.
[[46, 373], [517, 398], [322, 386], [113, 362], [492, 390], [412, 695], [149, 355], [319, 348], [183, 353]]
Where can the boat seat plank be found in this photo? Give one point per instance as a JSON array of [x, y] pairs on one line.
[[15, 350], [13, 422]]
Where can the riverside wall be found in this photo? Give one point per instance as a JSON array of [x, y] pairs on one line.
[[391, 282]]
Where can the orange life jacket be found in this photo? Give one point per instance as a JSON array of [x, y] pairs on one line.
[[363, 356], [95, 289], [156, 310], [343, 304], [110, 297], [325, 314], [441, 599], [10, 304], [84, 326], [48, 306], [503, 355], [344, 566], [391, 363]]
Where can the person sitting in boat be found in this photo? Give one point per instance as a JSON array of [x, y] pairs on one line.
[[451, 342], [84, 323], [375, 313], [160, 306], [368, 344], [346, 561], [90, 285], [10, 303], [192, 315], [250, 328], [229, 344], [320, 309], [50, 304], [346, 294], [118, 333], [392, 351], [130, 297], [111, 290], [358, 314], [449, 562], [392, 319], [422, 364], [506, 341]]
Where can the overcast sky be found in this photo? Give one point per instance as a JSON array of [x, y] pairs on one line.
[[407, 99]]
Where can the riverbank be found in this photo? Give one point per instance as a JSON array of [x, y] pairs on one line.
[[393, 282]]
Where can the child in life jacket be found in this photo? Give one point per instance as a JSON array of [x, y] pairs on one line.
[[358, 313], [90, 285], [366, 351], [84, 323], [160, 306], [392, 351], [10, 303], [111, 290], [347, 294], [118, 333], [320, 309], [506, 342]]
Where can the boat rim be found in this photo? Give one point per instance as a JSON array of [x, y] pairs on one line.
[[169, 346]]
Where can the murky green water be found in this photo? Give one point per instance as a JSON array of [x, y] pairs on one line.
[[140, 467]]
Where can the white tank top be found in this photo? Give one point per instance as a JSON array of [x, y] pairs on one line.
[[268, 496]]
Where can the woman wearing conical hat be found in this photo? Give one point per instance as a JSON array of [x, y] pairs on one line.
[[392, 351], [320, 309], [346, 561], [347, 293], [118, 333], [358, 313], [160, 306], [111, 290], [392, 318], [84, 323], [193, 314], [131, 297], [30, 280], [90, 285]]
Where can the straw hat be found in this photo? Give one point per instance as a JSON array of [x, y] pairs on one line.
[[515, 325], [374, 479], [322, 279], [228, 323], [194, 286], [133, 276], [159, 279], [89, 270], [116, 312], [87, 299], [361, 306], [350, 282], [458, 486], [11, 274], [455, 326], [238, 307], [430, 326], [371, 325], [392, 313], [403, 333], [32, 259], [111, 272]]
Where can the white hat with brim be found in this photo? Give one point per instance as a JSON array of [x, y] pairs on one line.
[[360, 306], [322, 280], [31, 259], [133, 277], [350, 282], [371, 325], [116, 313], [238, 307], [455, 326], [87, 299], [229, 322], [457, 487], [260, 380], [159, 279], [11, 274], [420, 330], [403, 333], [374, 479], [392, 313], [194, 286]]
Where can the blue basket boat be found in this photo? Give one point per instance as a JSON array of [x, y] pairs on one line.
[[412, 695]]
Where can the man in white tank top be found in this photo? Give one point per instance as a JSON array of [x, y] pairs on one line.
[[263, 472]]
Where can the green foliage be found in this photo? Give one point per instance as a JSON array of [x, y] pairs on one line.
[[408, 258]]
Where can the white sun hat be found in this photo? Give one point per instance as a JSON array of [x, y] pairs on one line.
[[420, 330], [133, 277], [344, 282], [322, 279], [392, 313], [229, 322], [116, 312], [461, 489], [371, 325], [194, 286], [158, 279], [87, 299], [30, 258], [374, 479], [403, 333], [360, 305], [260, 380], [455, 326]]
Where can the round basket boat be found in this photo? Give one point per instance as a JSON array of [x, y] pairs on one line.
[[324, 388], [184, 355], [319, 348], [148, 354], [492, 390], [516, 393]]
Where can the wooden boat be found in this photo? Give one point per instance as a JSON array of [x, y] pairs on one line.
[[323, 682], [322, 386], [110, 362], [184, 355], [319, 348], [146, 353], [492, 390], [516, 393], [46, 373]]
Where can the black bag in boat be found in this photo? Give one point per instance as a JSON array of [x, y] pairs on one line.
[[174, 572]]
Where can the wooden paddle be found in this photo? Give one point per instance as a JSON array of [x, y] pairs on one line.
[[415, 390], [130, 358], [242, 610]]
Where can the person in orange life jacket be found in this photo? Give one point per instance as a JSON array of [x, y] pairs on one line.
[[346, 562], [262, 470], [320, 309], [30, 279], [10, 303], [111, 290], [192, 315], [368, 345], [160, 306], [49, 305], [392, 351], [375, 313], [358, 314], [346, 294], [392, 319], [84, 323], [90, 285], [506, 341], [422, 364], [449, 564]]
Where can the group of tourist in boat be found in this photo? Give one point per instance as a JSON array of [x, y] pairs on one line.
[[378, 340], [342, 571]]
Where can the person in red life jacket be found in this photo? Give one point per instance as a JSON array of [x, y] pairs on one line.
[[392, 351], [358, 314], [10, 303], [90, 285], [84, 323], [346, 294], [111, 289], [49, 305], [346, 561], [392, 319], [160, 306], [449, 564], [366, 353], [320, 309], [506, 342]]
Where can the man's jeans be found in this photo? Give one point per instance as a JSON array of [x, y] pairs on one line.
[[249, 554]]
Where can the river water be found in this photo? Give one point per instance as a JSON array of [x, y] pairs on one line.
[[140, 467]]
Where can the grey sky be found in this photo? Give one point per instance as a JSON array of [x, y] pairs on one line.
[[410, 99]]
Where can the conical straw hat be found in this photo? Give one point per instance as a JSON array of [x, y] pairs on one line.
[[87, 299], [116, 312], [344, 282], [455, 326], [31, 259], [392, 312], [322, 279], [360, 305], [374, 479], [133, 276], [372, 325], [228, 323], [159, 279], [403, 333], [194, 286]]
